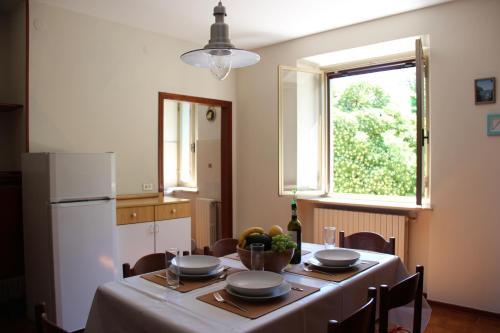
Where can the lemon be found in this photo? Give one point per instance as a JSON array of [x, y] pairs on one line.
[[275, 230]]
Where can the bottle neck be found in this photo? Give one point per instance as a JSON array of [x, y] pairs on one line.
[[294, 212]]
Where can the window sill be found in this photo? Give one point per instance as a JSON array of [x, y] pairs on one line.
[[171, 190], [368, 203]]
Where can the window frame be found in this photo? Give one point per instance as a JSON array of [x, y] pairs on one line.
[[420, 59], [193, 128], [384, 66], [324, 155]]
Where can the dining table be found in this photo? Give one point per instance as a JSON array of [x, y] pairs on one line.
[[136, 304]]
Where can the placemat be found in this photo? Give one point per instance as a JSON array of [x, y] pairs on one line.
[[258, 309], [235, 255], [331, 276], [188, 284]]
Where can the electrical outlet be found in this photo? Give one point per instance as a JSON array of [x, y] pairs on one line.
[[147, 187]]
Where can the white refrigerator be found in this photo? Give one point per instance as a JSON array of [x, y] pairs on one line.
[[69, 214]]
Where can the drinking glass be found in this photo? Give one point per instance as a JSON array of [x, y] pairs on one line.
[[257, 257], [173, 271], [329, 237]]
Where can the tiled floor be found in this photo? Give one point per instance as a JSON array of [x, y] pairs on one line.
[[443, 320]]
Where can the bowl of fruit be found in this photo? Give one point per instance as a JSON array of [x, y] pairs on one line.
[[278, 247]]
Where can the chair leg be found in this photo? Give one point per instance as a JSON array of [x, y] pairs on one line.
[[392, 242], [372, 294], [333, 326], [417, 311], [39, 310], [384, 308], [341, 238], [127, 272]]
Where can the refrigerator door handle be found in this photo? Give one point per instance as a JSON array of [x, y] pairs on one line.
[[81, 203], [157, 228], [152, 229]]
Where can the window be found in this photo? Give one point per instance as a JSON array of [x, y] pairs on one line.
[[358, 131], [180, 136]]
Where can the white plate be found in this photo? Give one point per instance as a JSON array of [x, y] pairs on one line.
[[254, 283], [196, 264], [316, 263], [337, 257], [214, 272], [281, 290]]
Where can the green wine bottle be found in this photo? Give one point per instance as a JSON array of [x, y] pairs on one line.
[[295, 233]]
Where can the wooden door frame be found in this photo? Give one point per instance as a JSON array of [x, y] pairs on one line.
[[226, 153]]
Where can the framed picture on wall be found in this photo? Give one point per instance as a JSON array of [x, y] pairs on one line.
[[493, 124], [484, 91]]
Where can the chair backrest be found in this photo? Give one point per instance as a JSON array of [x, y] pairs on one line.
[[361, 321], [410, 289], [367, 241], [148, 263], [43, 324], [223, 247]]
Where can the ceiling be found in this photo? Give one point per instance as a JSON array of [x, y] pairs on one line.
[[252, 24]]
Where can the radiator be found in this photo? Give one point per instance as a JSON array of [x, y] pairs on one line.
[[351, 222], [207, 222]]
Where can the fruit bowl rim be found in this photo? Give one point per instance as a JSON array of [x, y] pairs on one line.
[[268, 251]]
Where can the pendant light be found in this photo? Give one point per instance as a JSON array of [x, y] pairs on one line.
[[219, 54]]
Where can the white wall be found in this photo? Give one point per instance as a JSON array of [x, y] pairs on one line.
[[208, 155], [94, 87], [458, 240]]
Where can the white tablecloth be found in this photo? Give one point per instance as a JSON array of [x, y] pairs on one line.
[[137, 305]]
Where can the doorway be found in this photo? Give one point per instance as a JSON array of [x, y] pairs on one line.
[[184, 114]]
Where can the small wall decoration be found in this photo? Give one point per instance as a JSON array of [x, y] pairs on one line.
[[210, 115], [493, 124], [484, 91]]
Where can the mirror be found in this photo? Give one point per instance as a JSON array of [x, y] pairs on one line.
[[191, 148], [195, 161]]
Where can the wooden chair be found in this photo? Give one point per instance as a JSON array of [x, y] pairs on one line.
[[222, 247], [149, 263], [410, 289], [361, 321], [43, 324], [368, 241]]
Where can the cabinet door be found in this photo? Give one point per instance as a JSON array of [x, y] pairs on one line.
[[134, 241], [173, 233]]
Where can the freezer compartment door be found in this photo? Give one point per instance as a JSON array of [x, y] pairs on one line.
[[85, 257], [75, 176]]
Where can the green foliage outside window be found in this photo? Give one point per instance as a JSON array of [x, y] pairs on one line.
[[374, 147]]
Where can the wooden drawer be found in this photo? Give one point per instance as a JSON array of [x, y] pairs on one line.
[[172, 211], [135, 214]]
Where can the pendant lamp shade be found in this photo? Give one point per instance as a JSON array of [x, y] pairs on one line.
[[219, 54]]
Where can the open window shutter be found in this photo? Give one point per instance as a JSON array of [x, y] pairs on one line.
[[301, 131], [422, 124]]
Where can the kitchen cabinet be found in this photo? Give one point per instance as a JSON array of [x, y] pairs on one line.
[[135, 241], [173, 233], [151, 225]]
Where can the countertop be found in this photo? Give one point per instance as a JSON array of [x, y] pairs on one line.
[[156, 200]]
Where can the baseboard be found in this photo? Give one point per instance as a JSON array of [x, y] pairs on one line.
[[465, 309]]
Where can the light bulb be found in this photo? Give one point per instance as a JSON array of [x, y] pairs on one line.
[[220, 65]]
